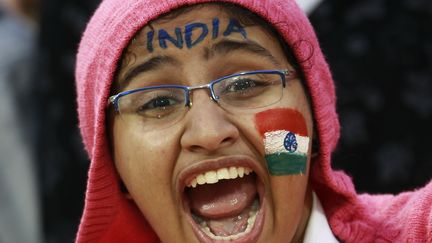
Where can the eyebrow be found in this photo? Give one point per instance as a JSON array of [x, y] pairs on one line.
[[221, 48], [152, 64], [228, 46]]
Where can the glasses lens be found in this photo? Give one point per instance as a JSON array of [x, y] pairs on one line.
[[154, 108], [249, 90]]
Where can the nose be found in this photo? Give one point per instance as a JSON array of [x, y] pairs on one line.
[[208, 127]]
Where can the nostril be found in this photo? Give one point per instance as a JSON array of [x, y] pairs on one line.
[[211, 145], [227, 140], [195, 148], [208, 129]]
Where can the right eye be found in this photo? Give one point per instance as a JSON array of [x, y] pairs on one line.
[[158, 102], [153, 103], [159, 107]]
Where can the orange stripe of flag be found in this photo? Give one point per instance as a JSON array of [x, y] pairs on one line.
[[281, 119]]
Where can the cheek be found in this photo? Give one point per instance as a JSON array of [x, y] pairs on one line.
[[286, 142], [141, 159]]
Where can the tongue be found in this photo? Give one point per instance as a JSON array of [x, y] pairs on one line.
[[225, 199], [225, 206], [229, 226]]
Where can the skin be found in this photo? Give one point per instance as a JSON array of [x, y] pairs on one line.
[[149, 162]]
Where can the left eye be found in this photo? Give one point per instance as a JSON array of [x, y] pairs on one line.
[[241, 85], [244, 85], [242, 88]]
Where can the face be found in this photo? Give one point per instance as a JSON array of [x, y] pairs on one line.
[[170, 172]]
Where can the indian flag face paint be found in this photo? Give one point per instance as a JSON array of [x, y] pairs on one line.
[[285, 140]]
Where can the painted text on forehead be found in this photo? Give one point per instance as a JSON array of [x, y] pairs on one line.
[[192, 34]]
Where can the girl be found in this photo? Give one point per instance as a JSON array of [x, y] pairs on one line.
[[213, 122]]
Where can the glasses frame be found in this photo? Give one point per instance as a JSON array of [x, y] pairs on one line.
[[290, 74]]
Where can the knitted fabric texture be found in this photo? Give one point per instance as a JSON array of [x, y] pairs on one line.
[[109, 217]]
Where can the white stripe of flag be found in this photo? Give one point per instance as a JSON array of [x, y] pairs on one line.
[[274, 142]]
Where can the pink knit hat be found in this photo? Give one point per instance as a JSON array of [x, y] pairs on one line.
[[107, 215]]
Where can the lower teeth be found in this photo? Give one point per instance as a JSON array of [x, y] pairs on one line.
[[251, 221]]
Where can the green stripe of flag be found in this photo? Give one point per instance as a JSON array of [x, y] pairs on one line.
[[286, 163]]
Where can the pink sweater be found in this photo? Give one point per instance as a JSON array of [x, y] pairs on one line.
[[109, 217]]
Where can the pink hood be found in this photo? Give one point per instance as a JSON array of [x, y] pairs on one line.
[[108, 217]]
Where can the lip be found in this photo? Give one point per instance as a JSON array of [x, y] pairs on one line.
[[190, 172], [187, 174]]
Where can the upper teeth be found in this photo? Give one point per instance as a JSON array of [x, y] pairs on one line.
[[213, 176]]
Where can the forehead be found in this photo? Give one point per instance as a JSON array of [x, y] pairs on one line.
[[187, 27], [190, 14], [199, 34]]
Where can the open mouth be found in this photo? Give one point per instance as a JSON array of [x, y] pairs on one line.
[[224, 203]]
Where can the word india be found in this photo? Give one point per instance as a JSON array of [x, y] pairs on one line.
[[192, 34]]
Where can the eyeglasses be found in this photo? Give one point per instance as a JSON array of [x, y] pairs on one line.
[[158, 107]]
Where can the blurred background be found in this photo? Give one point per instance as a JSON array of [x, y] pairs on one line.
[[380, 53]]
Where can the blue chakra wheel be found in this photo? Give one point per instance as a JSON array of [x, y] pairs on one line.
[[290, 142]]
